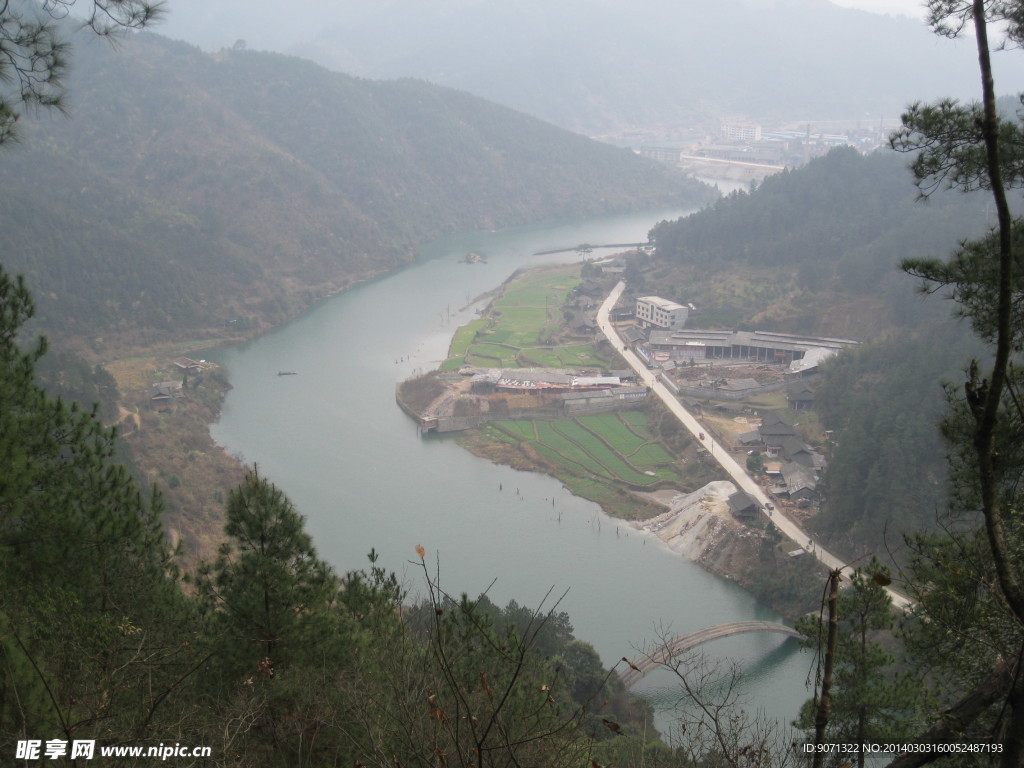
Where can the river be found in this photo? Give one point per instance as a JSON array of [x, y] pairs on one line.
[[333, 439]]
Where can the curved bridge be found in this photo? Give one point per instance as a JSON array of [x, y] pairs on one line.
[[649, 661]]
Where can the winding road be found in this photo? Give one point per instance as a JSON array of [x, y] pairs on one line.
[[722, 455]]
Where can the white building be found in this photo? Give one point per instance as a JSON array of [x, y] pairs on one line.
[[660, 313], [741, 132]]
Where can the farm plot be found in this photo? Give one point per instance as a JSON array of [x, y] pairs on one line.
[[523, 317], [604, 455], [522, 325], [615, 431], [464, 337], [492, 356], [550, 437], [650, 455], [634, 419], [524, 430], [575, 356], [540, 289], [605, 447], [627, 433]]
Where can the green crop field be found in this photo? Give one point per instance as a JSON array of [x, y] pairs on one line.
[[634, 418], [574, 467], [464, 337], [605, 447], [575, 356], [549, 436], [540, 289], [524, 430], [633, 442], [499, 434], [528, 312], [615, 431], [523, 324], [604, 455], [650, 455], [597, 461], [492, 356]]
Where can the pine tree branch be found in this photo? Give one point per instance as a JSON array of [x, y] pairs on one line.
[[953, 723]]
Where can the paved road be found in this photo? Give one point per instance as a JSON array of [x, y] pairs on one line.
[[718, 452]]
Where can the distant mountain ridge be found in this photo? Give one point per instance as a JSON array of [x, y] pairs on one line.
[[601, 66], [192, 190]]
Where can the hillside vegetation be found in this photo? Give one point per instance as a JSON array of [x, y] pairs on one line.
[[817, 250], [195, 191]]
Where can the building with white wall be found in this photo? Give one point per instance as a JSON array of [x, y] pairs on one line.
[[741, 132], [654, 311]]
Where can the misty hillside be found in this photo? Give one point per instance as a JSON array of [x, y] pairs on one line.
[[817, 250], [192, 190], [600, 66]]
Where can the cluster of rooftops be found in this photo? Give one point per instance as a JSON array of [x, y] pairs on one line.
[[789, 460], [667, 340], [801, 353]]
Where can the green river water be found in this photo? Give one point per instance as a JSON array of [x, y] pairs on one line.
[[333, 438]]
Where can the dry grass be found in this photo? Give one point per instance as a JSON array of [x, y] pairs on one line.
[[134, 374], [775, 401], [726, 425], [175, 453], [417, 394]]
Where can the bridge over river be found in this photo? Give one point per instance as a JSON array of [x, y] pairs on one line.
[[663, 653]]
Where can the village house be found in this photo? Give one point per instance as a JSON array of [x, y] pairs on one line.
[[800, 396], [164, 395], [188, 366], [774, 427], [742, 506], [800, 481]]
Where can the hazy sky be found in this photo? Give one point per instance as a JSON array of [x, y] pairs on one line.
[[912, 8]]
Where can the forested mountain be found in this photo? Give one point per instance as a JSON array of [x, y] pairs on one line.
[[818, 250], [602, 66], [267, 657], [194, 190]]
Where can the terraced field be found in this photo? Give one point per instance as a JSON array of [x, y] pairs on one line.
[[604, 447], [607, 457]]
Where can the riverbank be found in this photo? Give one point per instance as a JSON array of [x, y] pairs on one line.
[[175, 450], [364, 477], [166, 428], [611, 459], [699, 527]]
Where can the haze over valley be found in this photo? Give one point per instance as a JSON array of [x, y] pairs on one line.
[[410, 395], [649, 69]]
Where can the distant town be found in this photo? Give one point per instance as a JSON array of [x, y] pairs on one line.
[[746, 152]]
